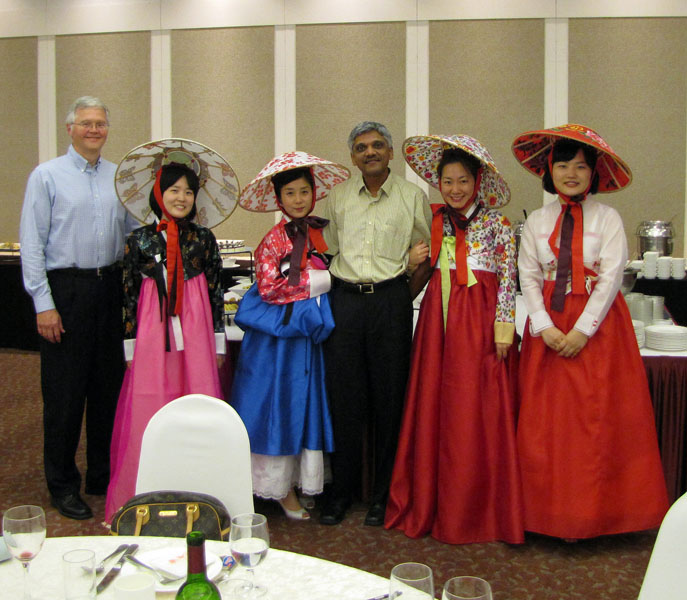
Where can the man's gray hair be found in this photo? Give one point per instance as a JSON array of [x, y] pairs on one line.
[[86, 102], [366, 126]]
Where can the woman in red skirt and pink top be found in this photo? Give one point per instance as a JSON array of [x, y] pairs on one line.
[[456, 473], [586, 435]]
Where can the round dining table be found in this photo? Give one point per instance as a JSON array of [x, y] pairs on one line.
[[284, 574]]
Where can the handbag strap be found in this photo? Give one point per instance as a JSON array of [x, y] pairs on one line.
[[142, 517], [192, 514]]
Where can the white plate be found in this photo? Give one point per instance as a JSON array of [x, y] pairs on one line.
[[172, 560], [229, 263], [240, 288]]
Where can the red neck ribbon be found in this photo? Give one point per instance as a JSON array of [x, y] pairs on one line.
[[574, 204], [460, 223], [175, 266]]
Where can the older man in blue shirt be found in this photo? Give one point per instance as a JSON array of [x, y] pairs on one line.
[[72, 234]]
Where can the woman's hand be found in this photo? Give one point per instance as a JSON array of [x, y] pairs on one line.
[[553, 338], [573, 342], [502, 350], [418, 253]]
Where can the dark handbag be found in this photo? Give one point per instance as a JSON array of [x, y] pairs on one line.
[[169, 513]]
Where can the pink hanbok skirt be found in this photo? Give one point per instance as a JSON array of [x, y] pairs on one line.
[[156, 377]]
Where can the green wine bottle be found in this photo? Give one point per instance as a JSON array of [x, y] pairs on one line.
[[197, 585]]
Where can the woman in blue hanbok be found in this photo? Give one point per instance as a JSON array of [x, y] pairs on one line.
[[279, 388]]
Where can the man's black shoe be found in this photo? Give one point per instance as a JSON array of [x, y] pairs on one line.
[[375, 516], [72, 507], [334, 511]]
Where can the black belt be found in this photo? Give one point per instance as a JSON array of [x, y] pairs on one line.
[[367, 288], [96, 273]]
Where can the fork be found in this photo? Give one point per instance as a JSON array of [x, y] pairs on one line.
[[162, 576]]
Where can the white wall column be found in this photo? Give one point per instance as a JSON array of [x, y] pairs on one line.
[[555, 77], [160, 84], [284, 92], [284, 88], [47, 99], [417, 88]]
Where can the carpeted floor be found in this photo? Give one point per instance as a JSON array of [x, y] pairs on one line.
[[609, 568]]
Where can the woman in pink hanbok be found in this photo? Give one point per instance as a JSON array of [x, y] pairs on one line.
[[174, 328]]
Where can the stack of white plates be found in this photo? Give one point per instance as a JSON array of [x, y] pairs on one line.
[[639, 332], [669, 338]]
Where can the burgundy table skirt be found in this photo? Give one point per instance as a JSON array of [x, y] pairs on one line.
[[667, 377]]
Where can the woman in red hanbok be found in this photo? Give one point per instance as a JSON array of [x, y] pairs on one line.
[[456, 472], [586, 435]]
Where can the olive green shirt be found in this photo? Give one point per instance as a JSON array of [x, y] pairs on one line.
[[369, 237]]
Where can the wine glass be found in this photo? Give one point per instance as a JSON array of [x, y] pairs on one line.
[[249, 541], [23, 528], [411, 580], [466, 588]]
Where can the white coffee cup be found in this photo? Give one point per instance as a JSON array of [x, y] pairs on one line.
[[137, 586]]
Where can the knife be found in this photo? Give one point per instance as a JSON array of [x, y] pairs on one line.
[[114, 571]]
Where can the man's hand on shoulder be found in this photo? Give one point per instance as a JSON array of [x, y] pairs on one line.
[[50, 325]]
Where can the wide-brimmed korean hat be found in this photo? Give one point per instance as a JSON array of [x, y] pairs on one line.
[[259, 195], [532, 151], [219, 187], [423, 153]]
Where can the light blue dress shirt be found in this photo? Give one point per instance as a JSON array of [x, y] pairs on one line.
[[71, 218]]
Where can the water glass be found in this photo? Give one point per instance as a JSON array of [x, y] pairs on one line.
[[412, 580], [78, 574], [466, 588], [137, 586]]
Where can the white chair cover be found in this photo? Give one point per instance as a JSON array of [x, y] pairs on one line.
[[666, 575], [197, 443]]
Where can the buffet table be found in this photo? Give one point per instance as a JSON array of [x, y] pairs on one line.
[[285, 574], [17, 317]]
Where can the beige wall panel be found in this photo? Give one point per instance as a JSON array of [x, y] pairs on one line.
[[628, 81], [19, 126], [223, 96], [486, 80], [346, 74], [115, 67]]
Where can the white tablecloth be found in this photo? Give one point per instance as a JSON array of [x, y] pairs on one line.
[[285, 574]]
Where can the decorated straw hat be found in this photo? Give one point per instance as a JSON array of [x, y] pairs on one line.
[[259, 195], [219, 187], [423, 153], [532, 150]]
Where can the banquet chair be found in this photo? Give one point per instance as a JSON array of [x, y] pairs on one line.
[[197, 443], [666, 575]]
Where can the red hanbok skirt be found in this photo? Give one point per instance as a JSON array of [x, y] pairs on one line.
[[586, 433], [456, 473]]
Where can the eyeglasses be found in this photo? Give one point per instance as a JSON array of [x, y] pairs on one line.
[[99, 125]]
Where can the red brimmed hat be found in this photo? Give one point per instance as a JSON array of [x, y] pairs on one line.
[[532, 151]]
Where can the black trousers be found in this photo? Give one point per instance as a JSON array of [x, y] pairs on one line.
[[367, 359], [84, 370]]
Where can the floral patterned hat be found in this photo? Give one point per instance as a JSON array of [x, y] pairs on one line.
[[423, 153], [219, 187], [532, 150], [259, 195]]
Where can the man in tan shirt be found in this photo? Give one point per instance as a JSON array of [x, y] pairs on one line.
[[378, 222]]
